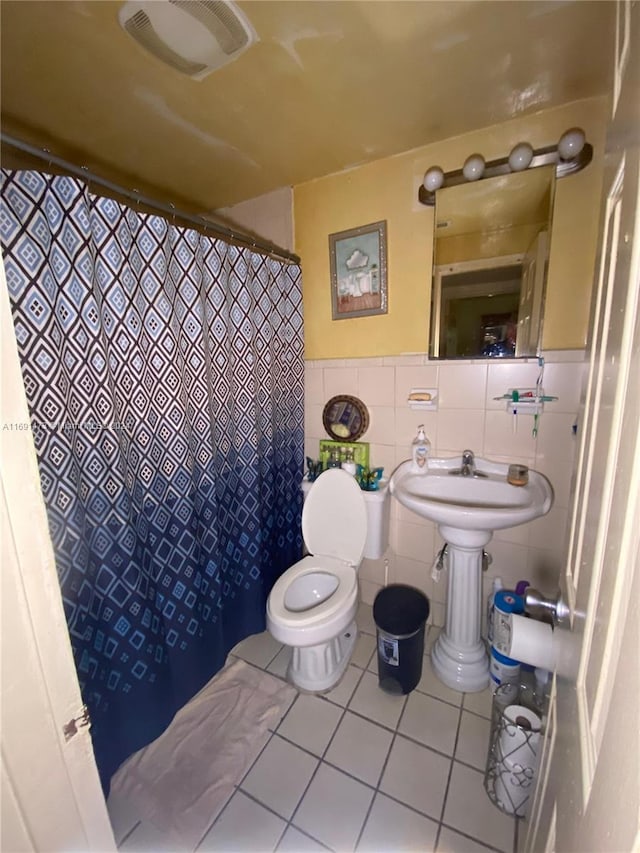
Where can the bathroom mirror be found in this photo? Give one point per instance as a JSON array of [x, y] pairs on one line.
[[491, 248], [345, 418]]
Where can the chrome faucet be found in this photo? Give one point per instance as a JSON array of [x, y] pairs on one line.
[[468, 467]]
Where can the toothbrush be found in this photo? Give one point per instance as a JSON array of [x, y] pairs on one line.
[[515, 396]]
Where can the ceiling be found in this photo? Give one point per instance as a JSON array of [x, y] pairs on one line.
[[329, 85]]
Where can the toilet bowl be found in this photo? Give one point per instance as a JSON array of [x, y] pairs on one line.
[[312, 606]]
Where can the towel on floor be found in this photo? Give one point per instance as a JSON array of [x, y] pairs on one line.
[[182, 780]]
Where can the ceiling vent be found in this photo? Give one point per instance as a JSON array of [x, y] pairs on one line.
[[192, 36]]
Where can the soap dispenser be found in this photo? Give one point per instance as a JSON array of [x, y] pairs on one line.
[[421, 448]]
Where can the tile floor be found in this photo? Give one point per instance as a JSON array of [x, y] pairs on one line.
[[357, 769]]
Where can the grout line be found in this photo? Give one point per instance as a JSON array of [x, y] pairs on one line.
[[321, 761], [470, 837], [382, 772], [128, 834], [266, 668], [306, 834], [447, 786]]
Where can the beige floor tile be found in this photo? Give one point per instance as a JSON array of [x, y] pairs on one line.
[[344, 690], [431, 684], [293, 769], [364, 619], [393, 827], [294, 841], [244, 825], [280, 663], [374, 704], [334, 808], [416, 776], [360, 748], [310, 723], [479, 703], [364, 649], [432, 722], [473, 740], [453, 842], [258, 649], [470, 810]]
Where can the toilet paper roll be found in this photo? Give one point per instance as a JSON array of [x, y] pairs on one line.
[[519, 738], [531, 642], [514, 789]]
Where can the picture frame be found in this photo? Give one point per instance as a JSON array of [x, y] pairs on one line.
[[358, 260]]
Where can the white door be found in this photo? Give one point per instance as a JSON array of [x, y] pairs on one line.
[[588, 797], [51, 797]]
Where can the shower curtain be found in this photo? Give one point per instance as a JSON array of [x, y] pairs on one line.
[[164, 376]]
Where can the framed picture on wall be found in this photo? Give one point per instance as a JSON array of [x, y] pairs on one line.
[[358, 260]]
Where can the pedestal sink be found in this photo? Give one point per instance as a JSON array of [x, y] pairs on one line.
[[467, 503]]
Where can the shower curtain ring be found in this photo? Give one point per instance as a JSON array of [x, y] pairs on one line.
[[173, 214]]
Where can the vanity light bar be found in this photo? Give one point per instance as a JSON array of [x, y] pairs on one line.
[[548, 156]]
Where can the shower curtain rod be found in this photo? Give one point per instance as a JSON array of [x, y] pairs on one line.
[[220, 230]]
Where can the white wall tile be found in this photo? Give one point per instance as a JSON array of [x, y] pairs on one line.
[[502, 437], [368, 591], [383, 456], [505, 375], [462, 386], [407, 422], [517, 535], [555, 452], [412, 540], [550, 531], [382, 425], [509, 562], [565, 382], [313, 421], [544, 568], [412, 572], [314, 386], [376, 386], [340, 380], [418, 376], [458, 430], [467, 417], [372, 570]]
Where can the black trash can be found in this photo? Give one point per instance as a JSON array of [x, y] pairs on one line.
[[400, 613]]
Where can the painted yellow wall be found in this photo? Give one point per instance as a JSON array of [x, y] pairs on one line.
[[388, 190]]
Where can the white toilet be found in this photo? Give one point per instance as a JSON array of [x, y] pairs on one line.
[[312, 606]]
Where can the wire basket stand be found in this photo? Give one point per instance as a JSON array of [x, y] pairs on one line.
[[515, 744]]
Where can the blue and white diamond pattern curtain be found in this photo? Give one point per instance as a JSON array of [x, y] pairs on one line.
[[164, 375]]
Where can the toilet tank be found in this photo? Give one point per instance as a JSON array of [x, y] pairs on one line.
[[378, 511]]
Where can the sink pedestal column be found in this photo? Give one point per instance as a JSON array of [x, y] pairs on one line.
[[459, 656]]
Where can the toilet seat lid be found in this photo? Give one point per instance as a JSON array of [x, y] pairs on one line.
[[334, 517]]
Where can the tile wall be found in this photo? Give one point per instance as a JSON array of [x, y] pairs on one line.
[[467, 417]]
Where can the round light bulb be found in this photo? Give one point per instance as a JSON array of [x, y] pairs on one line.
[[473, 168], [571, 143], [433, 179], [520, 157]]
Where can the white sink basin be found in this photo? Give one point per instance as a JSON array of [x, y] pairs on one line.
[[470, 503]]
